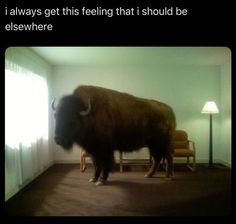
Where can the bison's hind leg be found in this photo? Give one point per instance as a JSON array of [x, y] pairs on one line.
[[170, 166], [156, 159]]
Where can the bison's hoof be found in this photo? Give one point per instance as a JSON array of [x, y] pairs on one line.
[[100, 183], [147, 175], [92, 180]]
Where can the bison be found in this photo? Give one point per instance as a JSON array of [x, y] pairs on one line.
[[103, 120]]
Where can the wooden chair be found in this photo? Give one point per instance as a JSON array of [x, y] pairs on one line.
[[132, 162], [83, 156], [183, 147]]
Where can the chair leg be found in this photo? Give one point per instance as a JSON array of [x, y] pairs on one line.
[[81, 161], [84, 164], [193, 167], [194, 163], [187, 160], [121, 161]]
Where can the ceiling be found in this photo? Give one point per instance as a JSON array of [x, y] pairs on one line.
[[134, 55]]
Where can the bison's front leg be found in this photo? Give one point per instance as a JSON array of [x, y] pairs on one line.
[[97, 170], [102, 180], [107, 166]]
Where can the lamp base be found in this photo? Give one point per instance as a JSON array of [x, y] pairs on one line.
[[211, 166]]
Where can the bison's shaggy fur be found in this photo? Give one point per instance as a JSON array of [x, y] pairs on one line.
[[103, 120]]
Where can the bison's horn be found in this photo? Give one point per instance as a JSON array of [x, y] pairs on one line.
[[86, 112], [52, 104]]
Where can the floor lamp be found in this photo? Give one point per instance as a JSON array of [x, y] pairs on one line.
[[210, 108]]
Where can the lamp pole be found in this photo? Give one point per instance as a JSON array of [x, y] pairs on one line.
[[210, 108], [210, 142]]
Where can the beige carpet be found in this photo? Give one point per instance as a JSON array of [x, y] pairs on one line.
[[64, 191]]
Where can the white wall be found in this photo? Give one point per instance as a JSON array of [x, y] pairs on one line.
[[184, 87]]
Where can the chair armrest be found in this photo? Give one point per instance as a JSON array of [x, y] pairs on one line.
[[191, 145]]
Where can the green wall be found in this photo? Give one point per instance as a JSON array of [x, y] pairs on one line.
[[185, 87]]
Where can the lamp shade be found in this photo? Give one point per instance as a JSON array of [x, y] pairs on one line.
[[210, 107]]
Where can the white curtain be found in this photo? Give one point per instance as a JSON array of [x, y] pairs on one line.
[[26, 126]]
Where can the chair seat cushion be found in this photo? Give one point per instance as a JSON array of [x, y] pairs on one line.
[[183, 152], [181, 144]]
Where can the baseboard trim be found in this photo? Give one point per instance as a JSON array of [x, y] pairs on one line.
[[61, 161], [176, 160], [17, 189], [225, 163]]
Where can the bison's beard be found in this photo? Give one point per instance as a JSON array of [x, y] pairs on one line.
[[64, 141], [67, 147], [65, 144]]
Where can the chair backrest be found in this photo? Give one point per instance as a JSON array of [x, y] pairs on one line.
[[180, 139]]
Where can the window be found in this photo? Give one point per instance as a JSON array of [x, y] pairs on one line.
[[26, 127], [26, 112]]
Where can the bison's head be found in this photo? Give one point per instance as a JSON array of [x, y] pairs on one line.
[[68, 116]]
